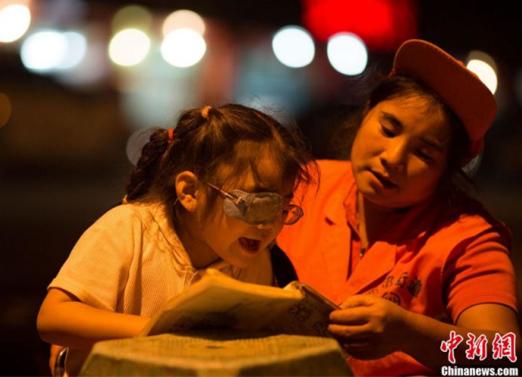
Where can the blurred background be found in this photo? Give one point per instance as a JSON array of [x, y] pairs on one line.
[[82, 82]]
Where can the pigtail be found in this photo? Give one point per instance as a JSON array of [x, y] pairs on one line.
[[143, 175]]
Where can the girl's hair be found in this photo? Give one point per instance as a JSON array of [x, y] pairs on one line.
[[389, 87], [206, 139]]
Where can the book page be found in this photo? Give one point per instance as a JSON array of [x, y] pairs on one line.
[[219, 301], [309, 316]]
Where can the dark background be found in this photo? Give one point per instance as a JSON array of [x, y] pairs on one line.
[[63, 161]]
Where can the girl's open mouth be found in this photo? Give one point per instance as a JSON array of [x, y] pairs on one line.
[[250, 244]]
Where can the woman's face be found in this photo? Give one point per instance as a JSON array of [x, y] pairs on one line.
[[400, 151]]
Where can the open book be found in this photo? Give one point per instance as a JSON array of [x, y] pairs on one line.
[[219, 301]]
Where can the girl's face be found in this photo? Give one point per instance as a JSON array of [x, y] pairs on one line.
[[234, 240], [400, 152]]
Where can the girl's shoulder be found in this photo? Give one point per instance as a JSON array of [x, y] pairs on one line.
[[129, 214]]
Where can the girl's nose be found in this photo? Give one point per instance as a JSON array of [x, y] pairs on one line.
[[266, 225]]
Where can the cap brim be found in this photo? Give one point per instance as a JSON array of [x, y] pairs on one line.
[[457, 86]]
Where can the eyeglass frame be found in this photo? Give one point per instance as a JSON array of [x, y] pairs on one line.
[[237, 200]]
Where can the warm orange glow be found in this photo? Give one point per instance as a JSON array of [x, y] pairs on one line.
[[5, 109]]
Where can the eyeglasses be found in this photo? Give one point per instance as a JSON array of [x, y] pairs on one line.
[[259, 207]]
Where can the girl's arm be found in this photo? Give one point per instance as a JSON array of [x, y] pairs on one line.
[[371, 327], [65, 320]]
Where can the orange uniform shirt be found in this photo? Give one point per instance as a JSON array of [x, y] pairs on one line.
[[432, 259]]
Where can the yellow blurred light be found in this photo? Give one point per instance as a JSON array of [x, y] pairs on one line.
[[129, 47], [183, 48], [132, 16], [14, 22], [183, 19], [5, 109]]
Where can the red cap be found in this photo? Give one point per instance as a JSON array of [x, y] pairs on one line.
[[458, 87]]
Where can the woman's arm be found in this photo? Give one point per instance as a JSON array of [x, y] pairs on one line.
[[371, 327], [482, 319], [65, 320]]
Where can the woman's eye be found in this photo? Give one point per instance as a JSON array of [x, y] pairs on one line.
[[387, 131], [424, 155]]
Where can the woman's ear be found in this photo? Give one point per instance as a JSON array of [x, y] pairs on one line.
[[188, 190]]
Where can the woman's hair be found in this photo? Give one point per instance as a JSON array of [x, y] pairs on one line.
[[390, 87], [205, 140]]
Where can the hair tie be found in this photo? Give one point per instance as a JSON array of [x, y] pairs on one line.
[[170, 133], [205, 110]]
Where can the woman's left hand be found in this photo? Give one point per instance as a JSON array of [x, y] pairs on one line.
[[369, 327]]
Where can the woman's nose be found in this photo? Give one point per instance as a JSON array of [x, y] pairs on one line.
[[394, 156]]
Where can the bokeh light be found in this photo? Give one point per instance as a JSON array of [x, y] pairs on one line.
[[293, 46], [129, 47], [183, 19], [94, 69], [76, 48], [347, 53], [47, 51], [484, 66], [43, 51], [183, 48], [14, 22]]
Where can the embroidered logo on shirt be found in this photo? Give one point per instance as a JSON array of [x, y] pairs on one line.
[[393, 287]]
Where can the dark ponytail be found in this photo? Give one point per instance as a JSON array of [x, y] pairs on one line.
[[145, 171]]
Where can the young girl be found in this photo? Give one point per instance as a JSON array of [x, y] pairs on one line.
[[213, 192], [417, 266]]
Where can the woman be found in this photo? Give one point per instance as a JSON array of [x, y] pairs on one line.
[[411, 259]]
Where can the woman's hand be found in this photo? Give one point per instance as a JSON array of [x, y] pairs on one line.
[[369, 327]]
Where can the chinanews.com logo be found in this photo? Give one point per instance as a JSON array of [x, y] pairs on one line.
[[502, 347], [451, 370]]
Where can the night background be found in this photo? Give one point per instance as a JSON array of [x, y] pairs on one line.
[[66, 137]]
